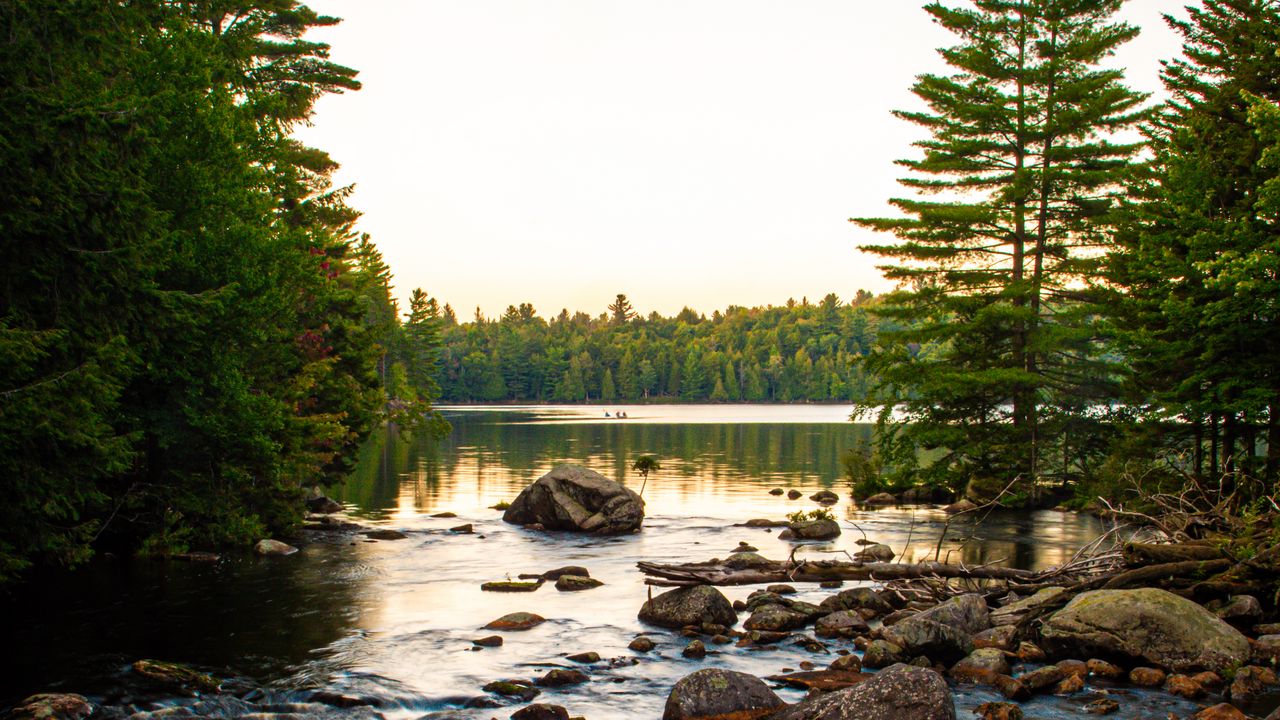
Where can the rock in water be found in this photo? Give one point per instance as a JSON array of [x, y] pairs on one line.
[[815, 529], [695, 605], [274, 547], [570, 583], [575, 498], [541, 711], [900, 692], [1149, 625], [715, 693], [516, 621]]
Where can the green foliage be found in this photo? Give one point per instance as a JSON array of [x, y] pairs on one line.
[[190, 331], [864, 470], [998, 362], [800, 516], [798, 352], [1197, 262], [644, 465]]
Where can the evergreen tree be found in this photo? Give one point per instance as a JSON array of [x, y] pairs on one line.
[[620, 311], [1199, 263], [1019, 135]]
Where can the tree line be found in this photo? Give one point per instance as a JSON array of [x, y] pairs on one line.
[[797, 352], [191, 333], [1089, 282]]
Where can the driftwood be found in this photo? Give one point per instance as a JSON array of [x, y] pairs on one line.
[[1143, 554], [717, 573]]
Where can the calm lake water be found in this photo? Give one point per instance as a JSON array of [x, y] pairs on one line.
[[394, 620]]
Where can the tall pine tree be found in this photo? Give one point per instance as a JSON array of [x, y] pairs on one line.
[[997, 347]]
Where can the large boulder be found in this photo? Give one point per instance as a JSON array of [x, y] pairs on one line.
[[1149, 625], [900, 692], [52, 706], [575, 498], [697, 605], [713, 693]]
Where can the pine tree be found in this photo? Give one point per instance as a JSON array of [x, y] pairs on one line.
[[1199, 264], [1019, 138], [620, 310]]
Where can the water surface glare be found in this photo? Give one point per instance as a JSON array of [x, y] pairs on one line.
[[393, 620]]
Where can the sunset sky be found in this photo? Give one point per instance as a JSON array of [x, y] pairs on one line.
[[684, 152]]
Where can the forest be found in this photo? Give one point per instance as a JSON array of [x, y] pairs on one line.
[[798, 352], [192, 335]]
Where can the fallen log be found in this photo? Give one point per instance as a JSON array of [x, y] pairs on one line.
[[1142, 554], [717, 573]]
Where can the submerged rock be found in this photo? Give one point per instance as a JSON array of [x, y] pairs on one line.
[[900, 692], [825, 497], [883, 498], [173, 675], [575, 498], [695, 605], [1148, 625], [715, 693], [510, 586], [323, 505]]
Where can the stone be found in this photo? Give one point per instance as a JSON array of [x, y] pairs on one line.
[[510, 689], [1184, 686], [689, 606], [1266, 649], [781, 590], [746, 547], [841, 624], [820, 680], [775, 618], [1041, 678], [575, 570], [559, 677], [490, 641], [942, 633], [1144, 625], [897, 616], [1030, 652], [1069, 685], [1223, 711], [899, 692], [268, 546], [445, 514], [875, 553], [641, 644], [323, 505], [516, 621], [52, 706], [763, 523], [794, 494], [1011, 688], [540, 711], [777, 491], [883, 498], [1241, 611], [1267, 629], [881, 654], [980, 666], [856, 599], [1012, 613], [574, 583], [1147, 677], [571, 497], [714, 693], [962, 506], [384, 534], [1104, 669], [1210, 680], [1101, 706], [826, 497], [463, 529], [847, 663], [173, 675], [745, 560], [1250, 683], [1074, 667], [586, 657], [1000, 638], [998, 711], [695, 650], [510, 586], [815, 529]]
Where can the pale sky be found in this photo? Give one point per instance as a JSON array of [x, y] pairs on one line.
[[684, 152]]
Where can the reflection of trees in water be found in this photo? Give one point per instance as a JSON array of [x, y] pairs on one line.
[[497, 447]]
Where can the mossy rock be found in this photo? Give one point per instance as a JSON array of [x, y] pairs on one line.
[[510, 586], [175, 675]]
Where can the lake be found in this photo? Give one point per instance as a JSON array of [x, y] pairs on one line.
[[392, 621]]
